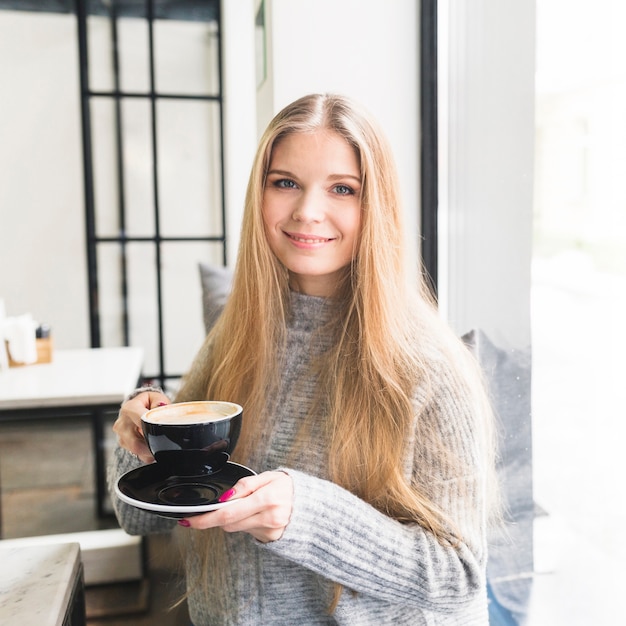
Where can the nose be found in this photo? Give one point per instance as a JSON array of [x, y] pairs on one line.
[[308, 208]]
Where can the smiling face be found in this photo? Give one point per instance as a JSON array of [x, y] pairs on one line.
[[312, 208]]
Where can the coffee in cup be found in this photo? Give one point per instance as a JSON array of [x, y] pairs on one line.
[[193, 438]]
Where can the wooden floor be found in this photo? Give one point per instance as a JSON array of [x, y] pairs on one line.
[[47, 480]]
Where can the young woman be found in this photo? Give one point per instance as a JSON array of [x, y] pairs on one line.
[[364, 416]]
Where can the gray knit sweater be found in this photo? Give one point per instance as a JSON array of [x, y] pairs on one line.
[[393, 573]]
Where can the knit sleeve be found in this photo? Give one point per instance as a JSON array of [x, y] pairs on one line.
[[345, 540], [133, 520]]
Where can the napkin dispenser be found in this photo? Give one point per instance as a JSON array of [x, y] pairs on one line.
[[25, 341]]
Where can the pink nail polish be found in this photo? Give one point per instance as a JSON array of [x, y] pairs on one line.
[[227, 495], [184, 522], [162, 404]]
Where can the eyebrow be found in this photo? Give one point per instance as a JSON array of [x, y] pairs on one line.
[[280, 173], [341, 176]]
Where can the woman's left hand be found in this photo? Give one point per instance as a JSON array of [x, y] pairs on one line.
[[262, 508]]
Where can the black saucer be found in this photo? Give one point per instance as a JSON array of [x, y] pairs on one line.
[[151, 488]]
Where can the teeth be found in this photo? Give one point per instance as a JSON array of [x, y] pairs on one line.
[[303, 240]]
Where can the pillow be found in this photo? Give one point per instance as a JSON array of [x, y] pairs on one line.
[[216, 283], [510, 566]]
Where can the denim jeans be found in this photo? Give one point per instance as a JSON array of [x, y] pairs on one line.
[[499, 615]]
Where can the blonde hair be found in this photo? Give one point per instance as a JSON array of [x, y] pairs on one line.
[[384, 337]]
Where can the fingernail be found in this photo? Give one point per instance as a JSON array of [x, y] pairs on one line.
[[227, 495], [162, 404], [184, 522]]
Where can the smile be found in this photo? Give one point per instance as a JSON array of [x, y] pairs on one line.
[[308, 238]]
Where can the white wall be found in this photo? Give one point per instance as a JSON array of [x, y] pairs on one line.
[[42, 248]]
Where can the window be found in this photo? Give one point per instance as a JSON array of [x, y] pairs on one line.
[[152, 126], [578, 312], [533, 251]]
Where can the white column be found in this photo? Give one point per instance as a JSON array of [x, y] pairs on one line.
[[239, 89], [487, 51]]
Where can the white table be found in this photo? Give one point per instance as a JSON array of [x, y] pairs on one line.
[[85, 382], [42, 585], [89, 377]]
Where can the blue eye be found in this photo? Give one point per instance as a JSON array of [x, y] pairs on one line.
[[344, 190], [285, 183]]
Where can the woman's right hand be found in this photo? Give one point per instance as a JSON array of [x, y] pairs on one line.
[[127, 426]]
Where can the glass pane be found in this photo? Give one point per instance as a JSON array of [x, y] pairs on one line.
[[134, 54], [138, 175], [143, 303], [100, 53], [110, 299], [105, 173], [578, 312], [186, 57], [182, 301], [190, 189]]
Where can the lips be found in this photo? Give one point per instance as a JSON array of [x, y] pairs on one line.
[[310, 239]]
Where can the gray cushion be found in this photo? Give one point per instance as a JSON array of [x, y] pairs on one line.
[[216, 282], [510, 566]]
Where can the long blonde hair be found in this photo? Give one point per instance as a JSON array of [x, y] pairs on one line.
[[385, 336]]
